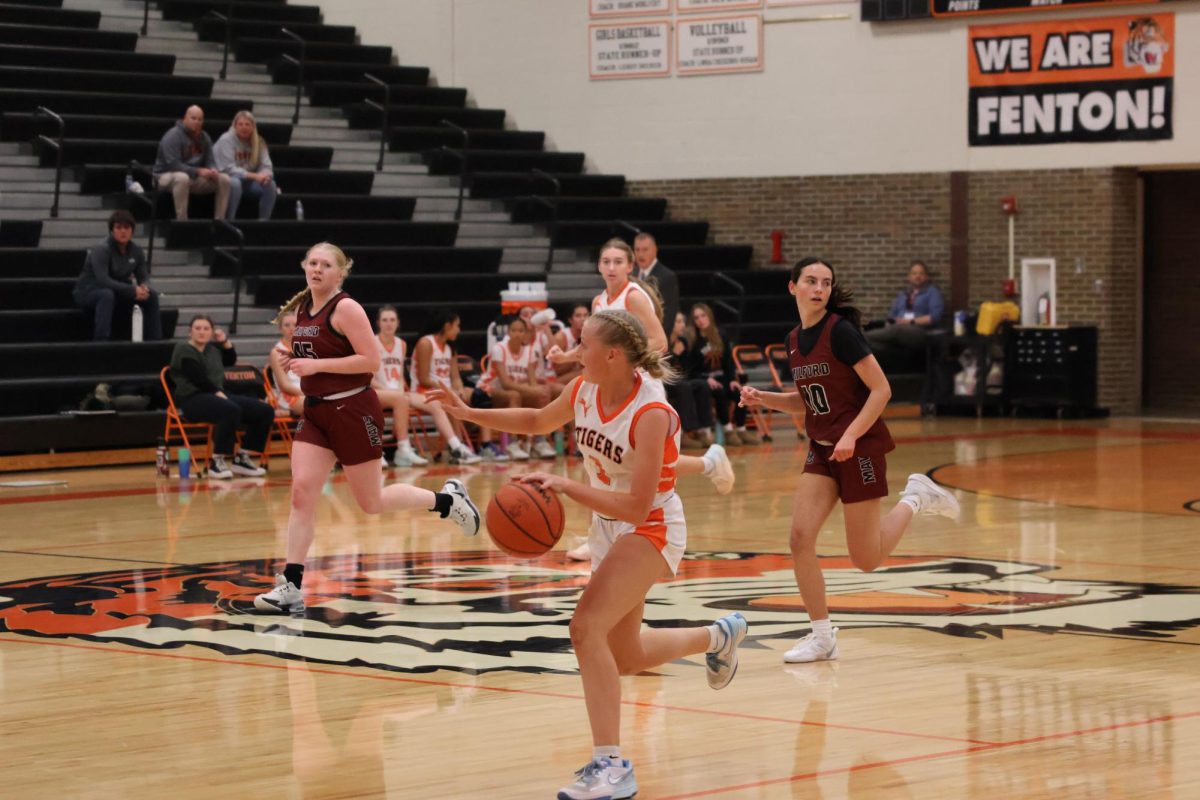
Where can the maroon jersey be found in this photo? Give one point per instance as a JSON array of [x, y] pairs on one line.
[[833, 393], [315, 338]]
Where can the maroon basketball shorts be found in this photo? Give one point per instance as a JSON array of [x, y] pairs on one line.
[[351, 427], [863, 476]]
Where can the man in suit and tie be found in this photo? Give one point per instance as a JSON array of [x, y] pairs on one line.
[[649, 270]]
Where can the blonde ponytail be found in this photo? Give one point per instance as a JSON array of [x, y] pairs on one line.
[[618, 328], [298, 299]]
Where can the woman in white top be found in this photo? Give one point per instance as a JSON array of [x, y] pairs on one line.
[[434, 366], [389, 385], [289, 400], [630, 440], [511, 382]]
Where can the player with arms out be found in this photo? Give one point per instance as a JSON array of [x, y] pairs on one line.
[[629, 438]]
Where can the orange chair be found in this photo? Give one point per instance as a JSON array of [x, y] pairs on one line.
[[751, 361], [777, 360], [284, 426], [177, 428]]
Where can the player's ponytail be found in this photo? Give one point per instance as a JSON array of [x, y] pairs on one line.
[[622, 330], [290, 307], [841, 298]]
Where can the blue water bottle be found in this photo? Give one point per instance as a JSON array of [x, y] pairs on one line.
[[185, 463], [559, 444]]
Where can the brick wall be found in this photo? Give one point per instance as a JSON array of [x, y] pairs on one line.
[[871, 226]]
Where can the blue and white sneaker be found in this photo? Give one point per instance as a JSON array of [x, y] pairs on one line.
[[721, 666], [602, 779]]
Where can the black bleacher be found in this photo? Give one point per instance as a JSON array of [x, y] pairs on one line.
[[269, 51], [484, 288], [368, 260], [213, 30], [71, 79], [18, 126], [110, 178], [67, 37], [535, 209], [16, 55], [416, 139], [412, 92], [349, 232], [448, 161], [361, 115], [122, 151], [51, 377], [24, 14], [508, 185], [591, 233], [192, 10], [115, 104]]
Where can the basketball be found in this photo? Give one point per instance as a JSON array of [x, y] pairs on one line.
[[525, 520]]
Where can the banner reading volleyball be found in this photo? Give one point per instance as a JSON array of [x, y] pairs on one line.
[[1083, 80]]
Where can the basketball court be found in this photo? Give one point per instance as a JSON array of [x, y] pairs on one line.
[[1040, 649]]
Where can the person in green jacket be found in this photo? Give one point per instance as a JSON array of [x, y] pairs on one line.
[[198, 372]]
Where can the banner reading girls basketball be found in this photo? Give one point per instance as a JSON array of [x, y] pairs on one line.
[[1083, 80]]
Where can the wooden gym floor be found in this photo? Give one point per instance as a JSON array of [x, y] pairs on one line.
[[1040, 649]]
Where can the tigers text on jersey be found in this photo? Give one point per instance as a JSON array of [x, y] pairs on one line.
[[440, 360], [833, 393], [314, 337], [391, 364], [606, 439]]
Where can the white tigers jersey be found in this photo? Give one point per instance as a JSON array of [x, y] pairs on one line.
[[440, 361], [541, 345], [602, 302], [517, 365], [606, 437], [391, 364]]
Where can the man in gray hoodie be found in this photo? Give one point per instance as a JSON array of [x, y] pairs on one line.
[[115, 273], [186, 166]]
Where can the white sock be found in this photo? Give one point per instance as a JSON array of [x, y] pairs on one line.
[[823, 629], [403, 444], [709, 464], [454, 443], [716, 638], [612, 751], [912, 501]]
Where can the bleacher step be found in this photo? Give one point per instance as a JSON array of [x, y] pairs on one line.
[[43, 200]]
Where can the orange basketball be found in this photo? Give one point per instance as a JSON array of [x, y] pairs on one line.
[[525, 520]]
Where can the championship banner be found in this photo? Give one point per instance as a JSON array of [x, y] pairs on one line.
[[719, 44], [696, 6], [627, 8], [959, 8], [1082, 80], [629, 50]]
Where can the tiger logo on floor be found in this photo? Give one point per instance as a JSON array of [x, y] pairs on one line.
[[478, 611]]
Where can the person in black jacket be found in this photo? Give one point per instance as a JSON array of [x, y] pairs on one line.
[[198, 372], [649, 269], [711, 358], [114, 272]]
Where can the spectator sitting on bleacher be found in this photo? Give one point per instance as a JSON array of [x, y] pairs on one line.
[[289, 399], [242, 154], [900, 345], [690, 397], [114, 272], [185, 165], [711, 358], [198, 372]]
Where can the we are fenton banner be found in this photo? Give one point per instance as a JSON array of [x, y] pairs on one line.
[[1081, 80]]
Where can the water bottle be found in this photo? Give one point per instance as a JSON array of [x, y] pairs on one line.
[[137, 323], [160, 459], [559, 445], [960, 323], [132, 186], [299, 211], [185, 463]]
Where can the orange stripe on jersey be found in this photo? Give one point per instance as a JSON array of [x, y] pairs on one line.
[[654, 529], [671, 427], [575, 390], [637, 385], [666, 478]]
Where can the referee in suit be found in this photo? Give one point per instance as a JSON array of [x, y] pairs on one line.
[[650, 270]]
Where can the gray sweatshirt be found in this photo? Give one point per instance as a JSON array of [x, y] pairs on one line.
[[233, 156], [179, 152]]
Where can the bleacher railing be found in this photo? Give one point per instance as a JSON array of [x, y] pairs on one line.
[[383, 116], [462, 162], [299, 69], [552, 205], [719, 279], [57, 144], [151, 199], [219, 225], [227, 20]]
